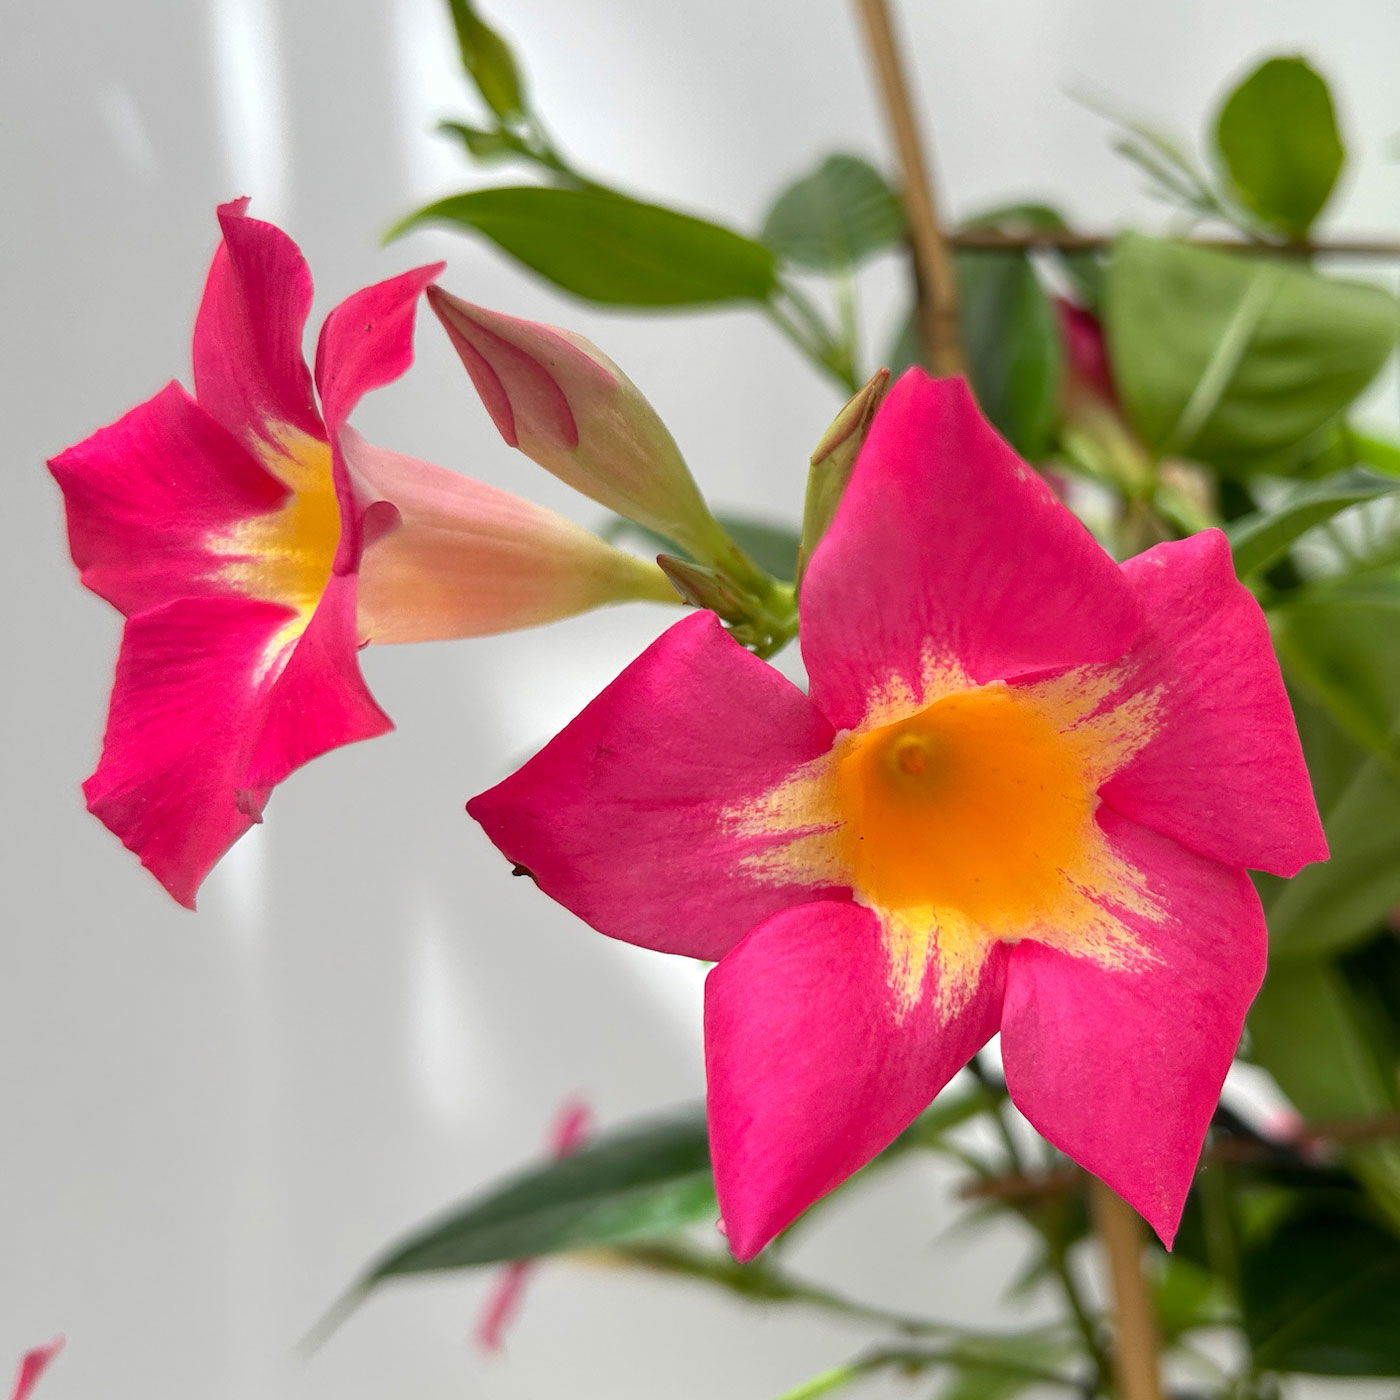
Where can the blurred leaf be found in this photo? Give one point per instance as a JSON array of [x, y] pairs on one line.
[[772, 547], [1237, 359], [1308, 1032], [1002, 1367], [1374, 452], [608, 249], [482, 144], [1259, 540], [1012, 340], [1188, 1296], [1322, 1296], [836, 217], [1330, 907], [1083, 269], [488, 61], [640, 1182], [1277, 137]]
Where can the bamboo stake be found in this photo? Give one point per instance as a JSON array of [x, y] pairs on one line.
[[1137, 1348], [939, 326]]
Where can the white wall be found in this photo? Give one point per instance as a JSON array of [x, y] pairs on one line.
[[212, 1121]]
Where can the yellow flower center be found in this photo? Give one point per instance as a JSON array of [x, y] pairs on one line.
[[976, 803]]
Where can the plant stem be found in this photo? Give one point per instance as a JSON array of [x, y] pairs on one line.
[[1083, 1318], [1136, 1351], [1101, 242], [939, 322]]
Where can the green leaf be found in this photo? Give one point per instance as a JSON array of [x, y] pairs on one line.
[[1013, 346], [772, 547], [1084, 269], [608, 249], [1322, 1296], [481, 143], [640, 1182], [1235, 359], [1261, 539], [488, 61], [1277, 138], [1308, 1031], [836, 217]]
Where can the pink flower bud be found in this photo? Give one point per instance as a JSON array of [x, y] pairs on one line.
[[562, 402]]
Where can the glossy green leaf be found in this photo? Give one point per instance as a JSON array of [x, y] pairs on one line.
[[1237, 360], [635, 1183], [836, 217], [1277, 139], [1084, 269], [611, 250], [488, 61], [1322, 1296], [1308, 1031], [1261, 539]]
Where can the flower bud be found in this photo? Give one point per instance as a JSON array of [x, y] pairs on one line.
[[562, 402], [833, 461]]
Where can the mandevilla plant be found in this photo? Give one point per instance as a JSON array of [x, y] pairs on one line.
[[1093, 622]]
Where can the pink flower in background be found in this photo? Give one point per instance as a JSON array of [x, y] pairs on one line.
[[1022, 796], [1088, 374], [33, 1366], [255, 542], [569, 1132]]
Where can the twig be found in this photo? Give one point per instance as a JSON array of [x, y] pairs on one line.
[[1137, 1347], [1098, 242], [939, 325]]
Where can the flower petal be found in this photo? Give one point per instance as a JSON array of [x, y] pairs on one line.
[[948, 550], [622, 817], [467, 560], [1224, 773], [188, 694], [249, 372], [814, 1066], [319, 700], [147, 496], [1121, 1066], [33, 1366]]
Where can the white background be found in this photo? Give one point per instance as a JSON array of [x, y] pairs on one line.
[[211, 1122]]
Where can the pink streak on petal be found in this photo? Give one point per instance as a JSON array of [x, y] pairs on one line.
[[947, 543], [1121, 1067], [467, 560], [249, 371], [1225, 774], [186, 699], [811, 1071], [33, 1366], [319, 701], [145, 495], [570, 1130], [620, 817]]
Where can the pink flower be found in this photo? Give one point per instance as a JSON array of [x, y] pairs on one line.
[[33, 1366], [255, 542], [568, 1134], [1022, 796], [1088, 374]]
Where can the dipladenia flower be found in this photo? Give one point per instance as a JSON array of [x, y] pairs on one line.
[[32, 1368], [254, 543], [567, 1134], [1022, 796]]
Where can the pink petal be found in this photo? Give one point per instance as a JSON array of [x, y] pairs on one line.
[[467, 560], [365, 343], [33, 1366], [146, 495], [948, 549], [622, 817], [248, 366], [319, 701], [187, 694], [1121, 1067], [1224, 774], [813, 1065]]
